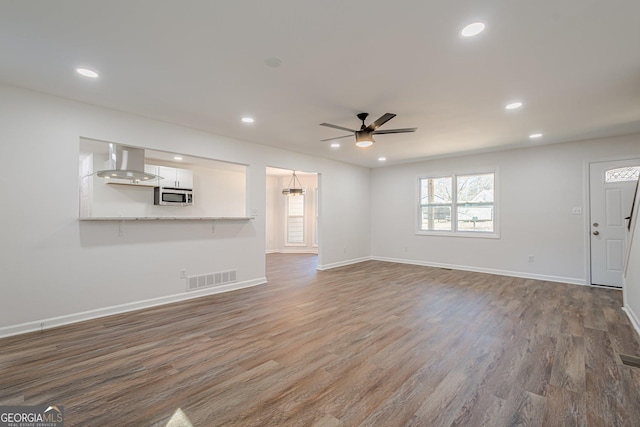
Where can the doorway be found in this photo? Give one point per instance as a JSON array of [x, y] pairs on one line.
[[611, 188], [292, 220]]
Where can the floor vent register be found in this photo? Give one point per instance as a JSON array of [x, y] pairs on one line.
[[211, 280]]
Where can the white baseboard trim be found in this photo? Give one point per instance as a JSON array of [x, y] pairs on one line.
[[40, 325], [299, 251], [632, 318], [544, 277], [342, 263], [292, 251]]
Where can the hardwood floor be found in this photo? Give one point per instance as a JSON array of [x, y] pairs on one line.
[[375, 344]]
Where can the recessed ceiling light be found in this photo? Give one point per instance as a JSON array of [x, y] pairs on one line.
[[513, 105], [535, 135], [177, 158], [472, 29], [335, 145], [273, 62], [87, 73], [382, 159], [247, 120]]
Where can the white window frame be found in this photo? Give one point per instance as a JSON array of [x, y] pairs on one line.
[[304, 222], [316, 236], [495, 234]]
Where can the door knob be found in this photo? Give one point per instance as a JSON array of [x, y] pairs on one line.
[[595, 233]]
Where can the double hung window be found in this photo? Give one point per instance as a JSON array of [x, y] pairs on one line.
[[458, 204], [295, 219]]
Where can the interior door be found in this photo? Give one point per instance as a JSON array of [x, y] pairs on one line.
[[611, 189]]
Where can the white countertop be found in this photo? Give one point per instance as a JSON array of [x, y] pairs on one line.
[[168, 218]]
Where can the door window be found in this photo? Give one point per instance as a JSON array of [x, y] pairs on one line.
[[629, 173]]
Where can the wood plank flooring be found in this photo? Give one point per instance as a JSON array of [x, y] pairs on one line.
[[373, 344]]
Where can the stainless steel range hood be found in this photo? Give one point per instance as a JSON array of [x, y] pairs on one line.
[[126, 163]]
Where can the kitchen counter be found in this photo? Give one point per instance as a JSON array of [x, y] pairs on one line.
[[169, 218]]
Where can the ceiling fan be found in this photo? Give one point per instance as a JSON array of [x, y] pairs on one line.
[[364, 136]]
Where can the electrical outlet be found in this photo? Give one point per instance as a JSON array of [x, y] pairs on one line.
[[531, 258], [345, 250], [183, 273]]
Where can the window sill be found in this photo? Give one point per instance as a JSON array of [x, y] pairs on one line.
[[475, 235]]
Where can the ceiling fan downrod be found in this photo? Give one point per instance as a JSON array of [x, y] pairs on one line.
[[363, 117]]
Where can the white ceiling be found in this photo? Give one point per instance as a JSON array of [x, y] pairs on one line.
[[575, 64], [286, 172]]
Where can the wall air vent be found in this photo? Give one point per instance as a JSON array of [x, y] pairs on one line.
[[211, 279]]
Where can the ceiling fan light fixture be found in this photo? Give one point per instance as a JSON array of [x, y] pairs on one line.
[[364, 139], [364, 136], [364, 144]]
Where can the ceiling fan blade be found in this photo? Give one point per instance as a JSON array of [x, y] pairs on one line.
[[337, 137], [329, 125], [382, 120], [381, 132]]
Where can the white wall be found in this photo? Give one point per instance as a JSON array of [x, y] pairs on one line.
[[273, 214], [54, 268], [538, 187], [219, 192], [344, 243], [631, 282]]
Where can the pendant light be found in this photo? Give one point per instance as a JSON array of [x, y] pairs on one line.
[[291, 189]]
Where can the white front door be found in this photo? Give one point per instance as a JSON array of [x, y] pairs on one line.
[[612, 185]]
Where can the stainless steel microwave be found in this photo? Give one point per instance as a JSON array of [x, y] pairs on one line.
[[170, 196]]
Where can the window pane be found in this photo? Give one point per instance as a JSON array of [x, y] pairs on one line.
[[295, 205], [435, 199], [475, 188], [630, 173], [475, 218], [435, 190], [295, 219], [295, 230], [436, 218]]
